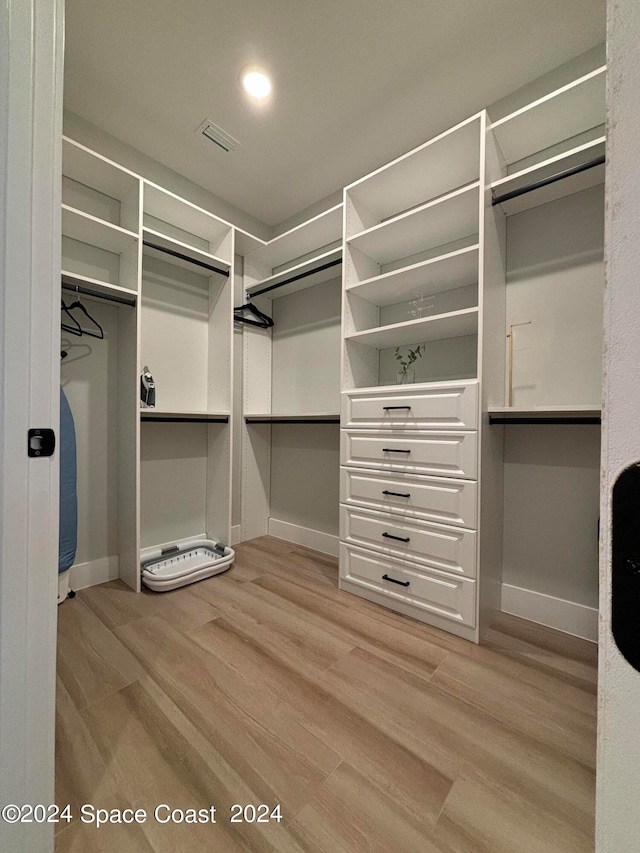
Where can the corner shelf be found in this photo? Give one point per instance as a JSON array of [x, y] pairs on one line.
[[436, 223], [96, 232], [578, 414], [437, 275], [314, 234], [558, 116], [322, 267], [454, 324], [524, 178]]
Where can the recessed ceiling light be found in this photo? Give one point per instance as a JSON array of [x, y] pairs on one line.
[[256, 83]]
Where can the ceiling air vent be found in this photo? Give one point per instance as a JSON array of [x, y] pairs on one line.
[[216, 134]]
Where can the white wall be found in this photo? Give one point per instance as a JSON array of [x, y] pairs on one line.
[[618, 778]]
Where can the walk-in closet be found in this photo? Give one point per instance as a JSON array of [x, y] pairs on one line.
[[337, 439]]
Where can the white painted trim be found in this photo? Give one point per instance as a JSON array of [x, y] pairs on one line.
[[324, 542], [93, 572], [30, 164], [567, 616], [236, 534]]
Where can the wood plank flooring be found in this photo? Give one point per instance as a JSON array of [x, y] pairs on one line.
[[373, 732]]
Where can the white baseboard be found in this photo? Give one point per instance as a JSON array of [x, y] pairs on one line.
[[567, 616], [236, 534], [93, 572], [324, 542]]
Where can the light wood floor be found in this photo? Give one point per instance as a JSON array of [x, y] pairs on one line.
[[373, 732]]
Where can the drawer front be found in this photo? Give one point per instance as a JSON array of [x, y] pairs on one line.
[[445, 407], [448, 549], [442, 595], [446, 454], [422, 498]]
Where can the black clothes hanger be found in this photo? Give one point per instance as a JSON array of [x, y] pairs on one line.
[[91, 333], [263, 321], [76, 329]]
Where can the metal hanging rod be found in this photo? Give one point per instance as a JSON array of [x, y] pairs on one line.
[[283, 420], [297, 277], [182, 257], [552, 179], [107, 297], [562, 419], [177, 419]]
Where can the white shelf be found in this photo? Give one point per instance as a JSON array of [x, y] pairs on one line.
[[96, 232], [455, 324], [585, 412], [560, 115], [305, 275], [310, 236], [445, 162], [91, 169], [316, 417], [196, 256], [567, 186], [172, 415], [437, 223], [437, 275], [169, 208], [99, 288]]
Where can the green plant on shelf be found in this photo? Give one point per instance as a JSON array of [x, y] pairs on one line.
[[408, 359]]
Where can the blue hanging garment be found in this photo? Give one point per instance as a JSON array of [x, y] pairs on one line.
[[68, 494]]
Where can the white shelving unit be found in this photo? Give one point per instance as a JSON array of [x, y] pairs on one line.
[[186, 328], [417, 252], [101, 268], [100, 220]]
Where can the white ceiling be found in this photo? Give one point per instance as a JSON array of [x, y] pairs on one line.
[[356, 82]]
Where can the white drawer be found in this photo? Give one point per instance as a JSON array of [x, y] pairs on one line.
[[433, 592], [446, 454], [449, 549], [436, 499], [442, 407]]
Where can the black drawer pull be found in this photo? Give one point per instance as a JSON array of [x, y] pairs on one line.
[[399, 538], [393, 580], [394, 450], [397, 494], [386, 408]]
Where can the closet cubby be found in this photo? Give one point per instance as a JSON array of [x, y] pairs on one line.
[[100, 222]]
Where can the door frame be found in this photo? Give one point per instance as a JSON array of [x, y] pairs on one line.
[[31, 66]]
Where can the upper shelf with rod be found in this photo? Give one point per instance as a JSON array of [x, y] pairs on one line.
[[553, 146], [299, 258]]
